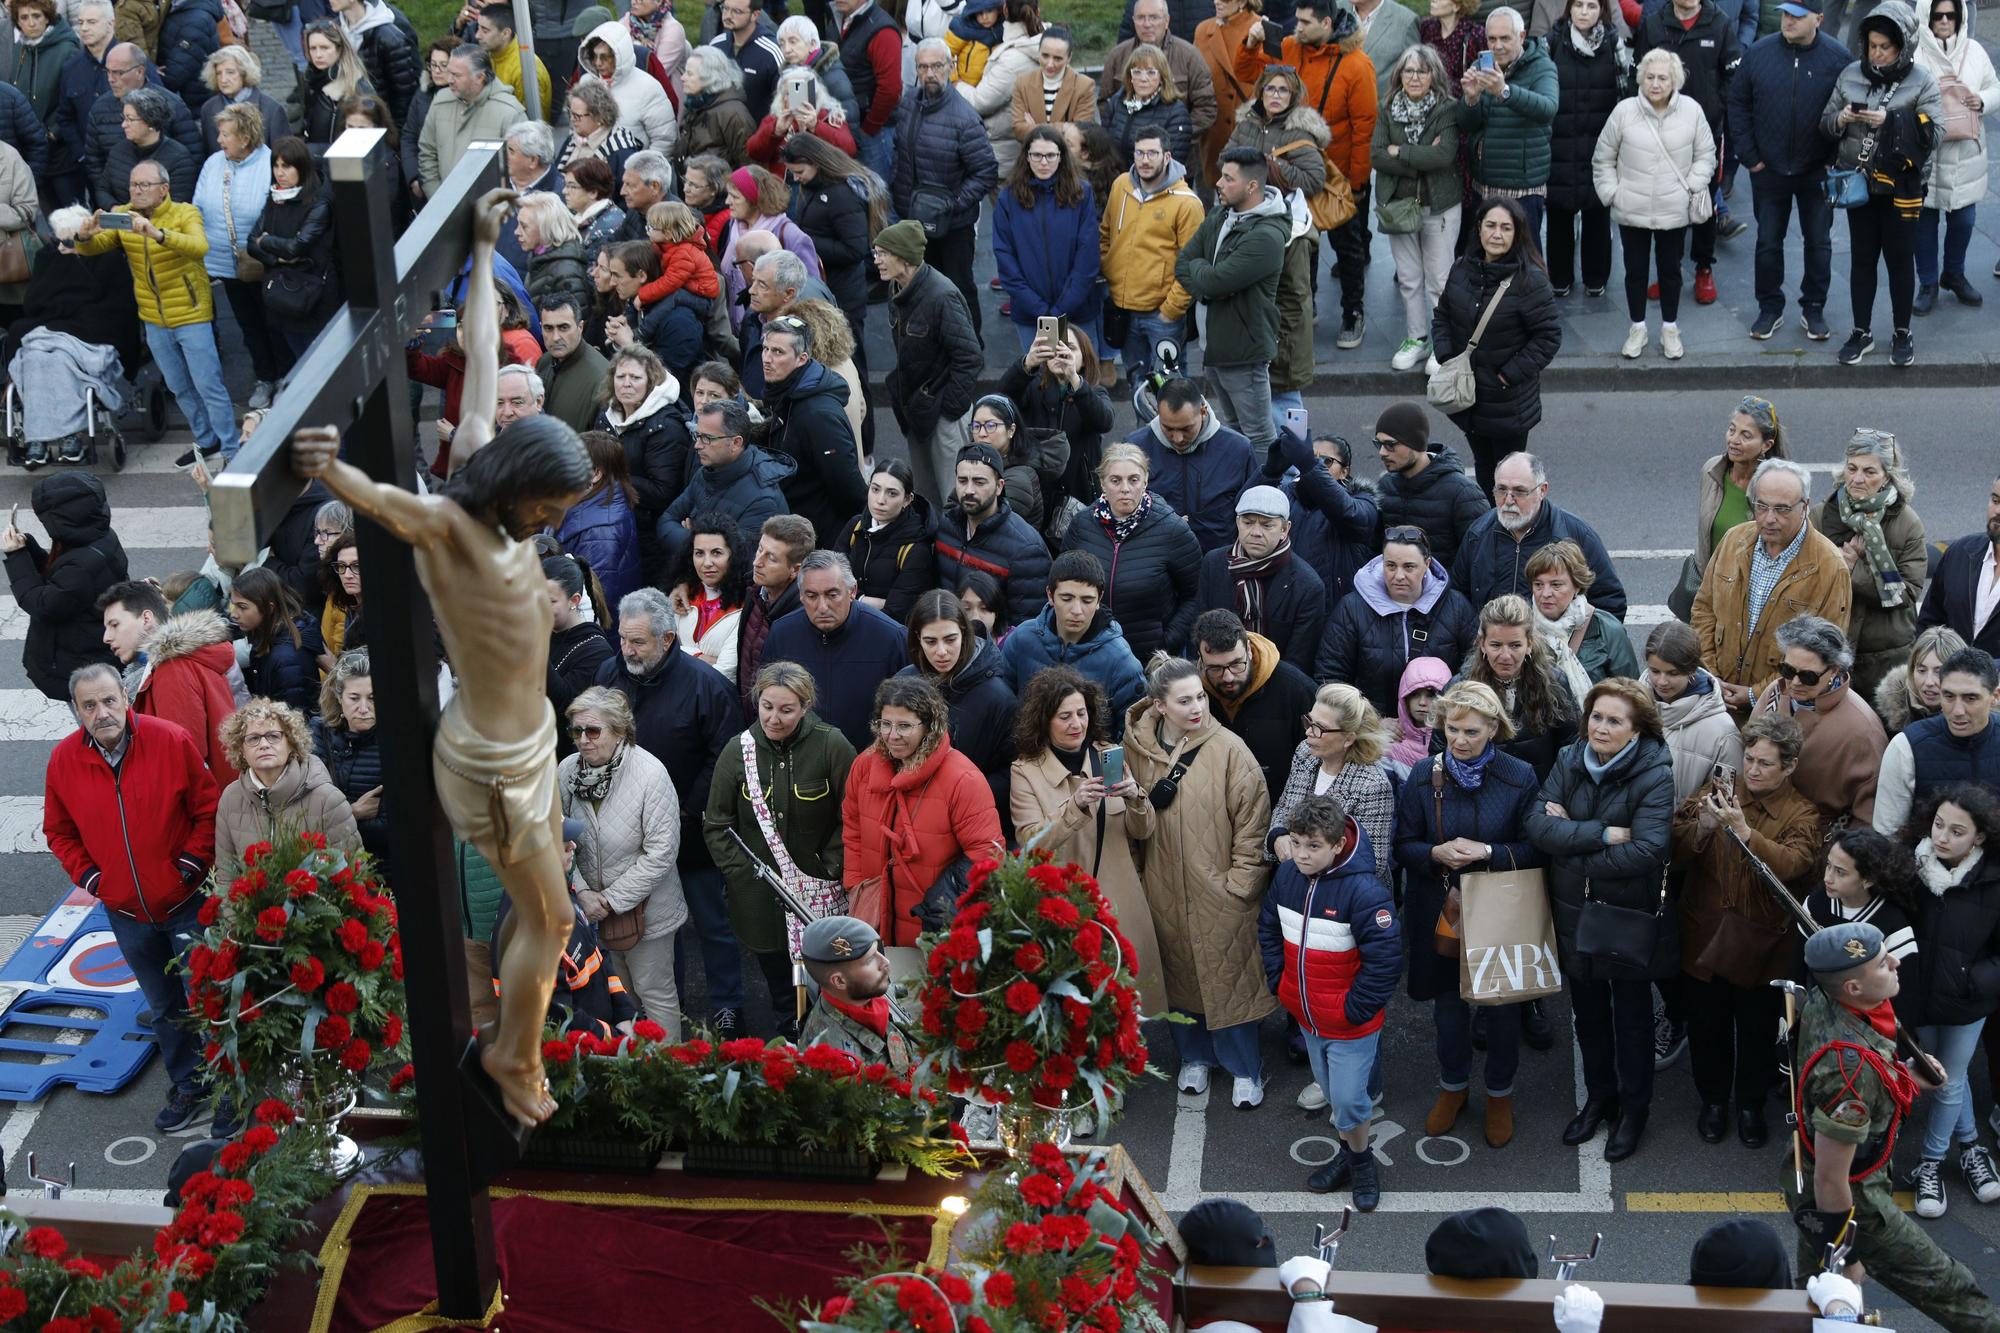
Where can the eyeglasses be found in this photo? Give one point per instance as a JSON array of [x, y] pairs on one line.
[[1045, 157], [1237, 667], [1383, 444], [987, 427], [934, 66], [1806, 678], [328, 534], [148, 185], [265, 738], [886, 728], [703, 437], [1760, 508], [1515, 492], [346, 567], [585, 733], [1315, 730], [120, 69]]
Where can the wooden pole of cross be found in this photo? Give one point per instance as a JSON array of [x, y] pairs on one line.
[[353, 377]]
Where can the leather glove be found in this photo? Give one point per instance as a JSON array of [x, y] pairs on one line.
[[1578, 1309], [1829, 1289]]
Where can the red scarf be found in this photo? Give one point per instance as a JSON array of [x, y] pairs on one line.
[[873, 1015], [1882, 1018]]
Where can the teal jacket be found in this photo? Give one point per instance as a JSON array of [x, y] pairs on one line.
[[479, 890], [1510, 136]]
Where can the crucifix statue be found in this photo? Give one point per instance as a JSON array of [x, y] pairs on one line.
[[494, 759]]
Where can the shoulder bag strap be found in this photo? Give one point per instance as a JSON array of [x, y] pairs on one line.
[[1653, 124], [228, 212], [1479, 329], [1097, 861], [1327, 87], [786, 866]]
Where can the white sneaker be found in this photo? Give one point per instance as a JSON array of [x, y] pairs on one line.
[[260, 397], [1635, 343], [1412, 351], [1670, 341], [1194, 1079], [1431, 361], [1245, 1093], [1312, 1097]]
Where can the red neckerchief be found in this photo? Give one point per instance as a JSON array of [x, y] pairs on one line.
[[1882, 1018], [873, 1015]]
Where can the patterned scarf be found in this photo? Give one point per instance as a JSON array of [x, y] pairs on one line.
[[593, 783], [1469, 773], [645, 32], [1409, 116], [1250, 574], [1865, 518], [1121, 529], [1556, 634]]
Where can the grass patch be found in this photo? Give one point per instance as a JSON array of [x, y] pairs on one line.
[[1093, 22]]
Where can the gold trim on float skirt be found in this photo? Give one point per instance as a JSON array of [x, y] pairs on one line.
[[334, 1253]]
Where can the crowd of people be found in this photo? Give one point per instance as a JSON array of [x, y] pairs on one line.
[[1204, 657]]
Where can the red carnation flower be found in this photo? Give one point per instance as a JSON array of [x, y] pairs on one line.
[[13, 1303], [353, 935], [333, 1033], [999, 1288], [392, 1030], [271, 923], [1030, 958], [1021, 1238], [256, 852], [402, 1078], [955, 1288], [210, 908], [958, 1083], [743, 1050], [1022, 997], [1041, 1191], [356, 1057], [647, 1030], [971, 1016], [1059, 912], [271, 1111], [260, 1139], [557, 1052], [342, 998], [233, 1157], [1021, 1057], [1090, 943], [1063, 1232], [309, 975], [835, 1308], [45, 1243], [301, 882], [961, 944], [372, 954]]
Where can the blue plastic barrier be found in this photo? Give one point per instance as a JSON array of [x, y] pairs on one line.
[[72, 961]]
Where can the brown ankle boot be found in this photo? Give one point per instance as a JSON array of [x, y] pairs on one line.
[[1444, 1114], [1499, 1121]]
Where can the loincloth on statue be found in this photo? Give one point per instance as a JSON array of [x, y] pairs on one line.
[[500, 796]]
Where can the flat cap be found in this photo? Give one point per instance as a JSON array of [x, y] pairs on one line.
[[1843, 947], [837, 939], [1268, 501]]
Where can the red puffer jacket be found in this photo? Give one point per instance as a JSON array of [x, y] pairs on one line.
[[1332, 948], [188, 665], [913, 823], [142, 837]]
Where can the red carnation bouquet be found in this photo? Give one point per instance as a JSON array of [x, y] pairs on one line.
[[1030, 998], [1048, 1245], [300, 954]]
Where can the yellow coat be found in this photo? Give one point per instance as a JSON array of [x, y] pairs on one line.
[[968, 58], [507, 70], [1141, 239], [167, 275]]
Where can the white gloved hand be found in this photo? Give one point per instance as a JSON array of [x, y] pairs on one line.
[[1578, 1310], [1304, 1267], [1826, 1290]]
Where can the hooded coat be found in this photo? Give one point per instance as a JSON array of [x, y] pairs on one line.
[[1958, 180], [1296, 140], [846, 662], [982, 704], [909, 824], [1521, 339], [1047, 254], [1203, 869], [1413, 739], [1231, 270], [450, 126], [1266, 714], [600, 531], [803, 779], [1153, 576], [1700, 734], [896, 562], [1141, 236], [1104, 654], [38, 73], [1017, 53], [1294, 603], [183, 676], [303, 798], [1903, 86], [643, 105], [807, 422], [390, 56], [1370, 637], [657, 447], [58, 588], [1337, 980], [1201, 481], [1442, 500], [1635, 792]]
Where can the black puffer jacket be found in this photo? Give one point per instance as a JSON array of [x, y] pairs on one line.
[[938, 357], [1370, 637], [576, 655], [354, 760], [288, 672], [180, 165], [982, 713], [188, 37], [1958, 948], [1588, 87], [1169, 119], [1036, 463], [59, 587], [806, 416], [835, 215], [319, 122], [899, 562], [390, 58], [22, 129], [1155, 575], [948, 150], [1082, 414], [1521, 340], [1441, 500], [659, 450], [1637, 793]]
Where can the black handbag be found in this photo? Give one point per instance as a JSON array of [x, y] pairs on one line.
[[1619, 936], [292, 292]]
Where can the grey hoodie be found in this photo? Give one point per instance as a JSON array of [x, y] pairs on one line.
[[1904, 84], [1176, 173]]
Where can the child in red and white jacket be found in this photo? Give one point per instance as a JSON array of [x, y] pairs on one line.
[[1332, 954], [676, 232]]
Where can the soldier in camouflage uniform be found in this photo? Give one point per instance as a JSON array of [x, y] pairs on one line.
[[1851, 1099], [856, 1011]]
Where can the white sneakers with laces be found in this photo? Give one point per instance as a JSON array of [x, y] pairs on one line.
[[1635, 343]]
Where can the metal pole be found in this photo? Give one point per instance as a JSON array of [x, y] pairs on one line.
[[524, 37]]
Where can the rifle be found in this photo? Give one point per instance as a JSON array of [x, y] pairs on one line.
[[1906, 1045], [776, 884]]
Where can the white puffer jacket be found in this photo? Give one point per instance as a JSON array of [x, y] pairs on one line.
[[1958, 178], [631, 839], [1017, 52], [1638, 180]]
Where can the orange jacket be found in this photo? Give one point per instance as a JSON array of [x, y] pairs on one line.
[[1343, 84], [682, 264]]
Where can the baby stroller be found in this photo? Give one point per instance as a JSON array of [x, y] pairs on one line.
[[141, 411]]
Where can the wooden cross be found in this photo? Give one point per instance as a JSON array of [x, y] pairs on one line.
[[353, 377]]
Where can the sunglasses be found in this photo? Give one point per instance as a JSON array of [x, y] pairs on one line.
[[1412, 535], [586, 733], [1806, 678]]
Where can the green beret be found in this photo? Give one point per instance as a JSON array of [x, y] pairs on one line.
[[837, 939], [1843, 947]]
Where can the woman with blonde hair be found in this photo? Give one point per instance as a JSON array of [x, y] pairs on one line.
[[1588, 644], [1913, 691], [233, 73], [1149, 553], [1463, 809], [801, 104], [626, 858], [284, 788], [1346, 741], [1150, 99], [334, 73]]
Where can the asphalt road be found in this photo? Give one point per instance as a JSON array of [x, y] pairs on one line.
[[1628, 463]]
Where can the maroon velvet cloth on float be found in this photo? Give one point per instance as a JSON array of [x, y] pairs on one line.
[[621, 1267]]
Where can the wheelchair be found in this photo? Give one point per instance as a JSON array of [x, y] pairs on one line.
[[144, 417]]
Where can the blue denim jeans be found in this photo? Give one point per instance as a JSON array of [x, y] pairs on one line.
[[1344, 1070], [721, 960], [1950, 1117], [1957, 239], [878, 151], [149, 947], [1281, 401], [192, 367], [1454, 1044], [1772, 199], [1233, 1047]]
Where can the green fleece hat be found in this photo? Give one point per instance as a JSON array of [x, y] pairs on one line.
[[904, 239]]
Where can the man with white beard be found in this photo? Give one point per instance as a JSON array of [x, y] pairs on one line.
[[1493, 558]]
